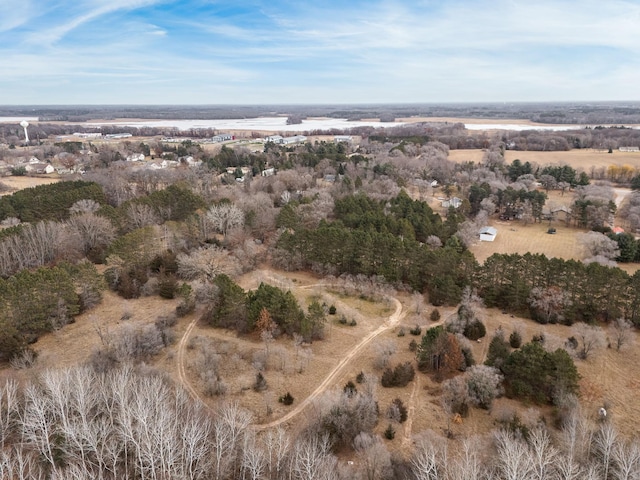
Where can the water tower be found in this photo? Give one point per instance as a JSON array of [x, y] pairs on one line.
[[24, 124]]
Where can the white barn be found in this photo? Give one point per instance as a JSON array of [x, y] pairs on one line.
[[488, 234]]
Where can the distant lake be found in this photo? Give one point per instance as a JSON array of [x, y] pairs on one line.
[[261, 123]]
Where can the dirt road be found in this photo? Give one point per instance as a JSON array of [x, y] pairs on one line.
[[180, 359], [391, 322], [337, 370]]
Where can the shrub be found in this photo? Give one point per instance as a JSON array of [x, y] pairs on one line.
[[286, 399], [350, 389], [353, 322], [397, 411], [261, 383], [389, 433], [435, 315], [416, 331], [360, 377], [332, 310], [401, 332], [413, 346], [469, 361], [498, 350], [515, 339], [167, 286], [400, 376], [538, 338], [164, 324], [571, 343], [475, 330], [343, 320]]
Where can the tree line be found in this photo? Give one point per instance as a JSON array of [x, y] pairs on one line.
[[131, 422], [43, 300]]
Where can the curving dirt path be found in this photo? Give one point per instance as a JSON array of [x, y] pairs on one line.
[[180, 359], [337, 370], [391, 322], [411, 411]]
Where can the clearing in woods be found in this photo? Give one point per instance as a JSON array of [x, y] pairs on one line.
[[608, 377], [19, 183]]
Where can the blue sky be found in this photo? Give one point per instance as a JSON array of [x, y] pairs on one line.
[[285, 51]]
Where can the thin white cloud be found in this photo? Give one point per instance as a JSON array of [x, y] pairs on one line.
[[14, 14], [49, 36]]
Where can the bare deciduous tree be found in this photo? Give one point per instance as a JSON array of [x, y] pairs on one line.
[[597, 244], [549, 302], [312, 460], [513, 460], [225, 217], [543, 456], [605, 441], [429, 459], [621, 332], [384, 351], [84, 206], [140, 215], [206, 263], [484, 383], [626, 460], [373, 456], [93, 230], [590, 339]]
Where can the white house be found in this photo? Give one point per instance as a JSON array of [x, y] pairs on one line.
[[135, 157], [41, 168], [454, 202], [222, 137], [343, 138], [488, 234], [267, 172]]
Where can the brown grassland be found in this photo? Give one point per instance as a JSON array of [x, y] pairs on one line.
[[607, 378], [18, 183], [583, 159]]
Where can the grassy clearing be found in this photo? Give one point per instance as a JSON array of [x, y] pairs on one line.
[[584, 159]]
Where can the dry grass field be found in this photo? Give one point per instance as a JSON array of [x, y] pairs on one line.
[[18, 183], [584, 159], [514, 237], [607, 378]]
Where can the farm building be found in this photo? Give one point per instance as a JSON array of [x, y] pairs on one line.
[[343, 138], [488, 234], [629, 149], [294, 139], [118, 135], [274, 138]]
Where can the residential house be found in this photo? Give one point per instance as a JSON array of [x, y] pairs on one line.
[[454, 202]]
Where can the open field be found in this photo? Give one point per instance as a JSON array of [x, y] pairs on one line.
[[607, 377], [18, 183], [514, 237], [584, 159]]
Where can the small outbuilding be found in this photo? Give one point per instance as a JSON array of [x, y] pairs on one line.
[[488, 234]]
